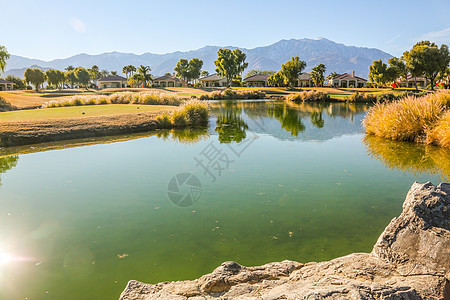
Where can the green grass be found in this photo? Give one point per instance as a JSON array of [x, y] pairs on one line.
[[77, 111]]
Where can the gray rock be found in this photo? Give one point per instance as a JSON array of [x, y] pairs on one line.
[[411, 260]]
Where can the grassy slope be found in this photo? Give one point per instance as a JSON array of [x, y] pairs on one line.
[[77, 111]]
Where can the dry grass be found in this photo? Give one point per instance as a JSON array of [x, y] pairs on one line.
[[144, 98], [308, 96], [5, 105], [422, 119], [191, 113], [440, 134], [231, 94]]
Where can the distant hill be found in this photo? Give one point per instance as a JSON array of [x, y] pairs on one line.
[[336, 57]]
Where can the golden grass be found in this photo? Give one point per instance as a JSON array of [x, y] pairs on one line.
[[408, 119], [312, 96], [440, 134], [191, 113], [232, 94], [144, 98]]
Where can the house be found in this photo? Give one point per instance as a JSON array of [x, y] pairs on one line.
[[167, 81], [112, 82], [346, 80], [6, 85], [213, 81], [258, 80], [304, 80], [410, 82]]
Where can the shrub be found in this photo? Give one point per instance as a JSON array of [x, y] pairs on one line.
[[404, 120], [191, 113], [362, 97], [312, 96], [5, 105], [230, 94], [164, 121], [440, 134], [150, 98]]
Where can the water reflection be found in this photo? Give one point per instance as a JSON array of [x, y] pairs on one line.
[[231, 126], [289, 118], [184, 135], [408, 157], [7, 163]]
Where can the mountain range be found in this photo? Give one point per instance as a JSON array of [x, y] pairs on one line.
[[336, 57]]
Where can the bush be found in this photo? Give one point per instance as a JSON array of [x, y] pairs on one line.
[[362, 97], [407, 119], [5, 105], [440, 134], [145, 98], [230, 94], [312, 96], [191, 113]]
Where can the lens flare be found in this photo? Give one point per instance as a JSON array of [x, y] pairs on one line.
[[4, 258]]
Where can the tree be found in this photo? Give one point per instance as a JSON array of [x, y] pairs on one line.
[[378, 73], [83, 76], [104, 73], [168, 74], [114, 73], [70, 77], [230, 64], [195, 67], [182, 69], [317, 74], [332, 75], [189, 70], [144, 71], [52, 77], [427, 59], [204, 74], [94, 72], [69, 68], [35, 77], [292, 69], [277, 79], [128, 70], [135, 80], [398, 68], [18, 83], [259, 72], [4, 56]]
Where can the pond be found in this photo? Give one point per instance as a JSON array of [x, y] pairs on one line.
[[266, 181]]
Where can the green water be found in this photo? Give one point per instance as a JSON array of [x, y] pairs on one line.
[[289, 182]]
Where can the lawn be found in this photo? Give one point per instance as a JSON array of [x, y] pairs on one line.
[[77, 111]]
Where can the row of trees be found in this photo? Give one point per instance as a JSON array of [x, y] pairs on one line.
[[291, 70], [425, 59]]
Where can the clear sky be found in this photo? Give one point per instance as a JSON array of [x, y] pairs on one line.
[[50, 29]]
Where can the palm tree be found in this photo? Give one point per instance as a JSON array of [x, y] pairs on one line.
[[113, 73], [69, 68], [104, 73], [135, 80], [4, 56], [144, 71]]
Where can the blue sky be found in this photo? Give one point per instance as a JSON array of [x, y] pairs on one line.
[[58, 29]]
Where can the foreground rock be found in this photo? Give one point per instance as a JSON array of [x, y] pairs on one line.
[[411, 260]]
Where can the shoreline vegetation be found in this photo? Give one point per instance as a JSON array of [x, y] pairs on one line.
[[423, 119]]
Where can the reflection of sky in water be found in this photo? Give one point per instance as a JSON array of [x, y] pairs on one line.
[[79, 223]]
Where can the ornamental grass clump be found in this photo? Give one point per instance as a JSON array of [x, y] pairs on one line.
[[230, 94], [144, 98], [440, 134], [191, 113], [308, 96], [5, 105], [408, 119]]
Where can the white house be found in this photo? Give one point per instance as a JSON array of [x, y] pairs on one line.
[[167, 81], [346, 81], [213, 81]]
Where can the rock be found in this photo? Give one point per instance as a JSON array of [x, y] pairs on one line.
[[410, 260]]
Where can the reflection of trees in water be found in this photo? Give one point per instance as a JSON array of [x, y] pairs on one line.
[[317, 120], [231, 126], [185, 135], [289, 118], [409, 157], [7, 163]]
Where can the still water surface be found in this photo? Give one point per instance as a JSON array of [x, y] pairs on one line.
[[298, 182]]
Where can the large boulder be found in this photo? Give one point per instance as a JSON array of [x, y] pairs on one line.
[[411, 260]]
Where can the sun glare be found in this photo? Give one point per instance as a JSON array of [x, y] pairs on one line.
[[4, 258]]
